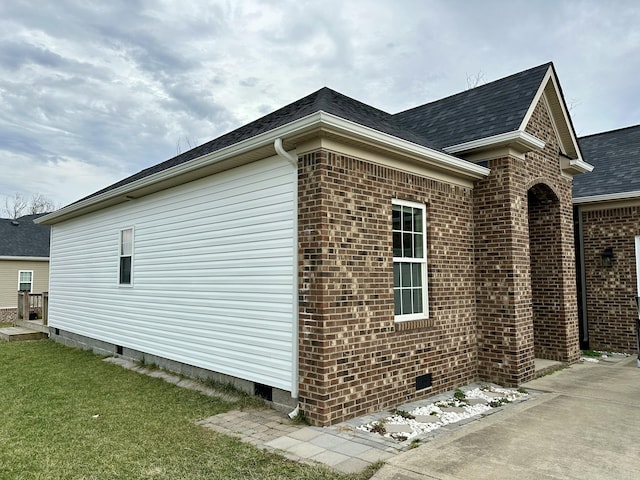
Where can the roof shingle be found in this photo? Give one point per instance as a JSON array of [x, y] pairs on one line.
[[23, 238], [615, 156], [490, 109], [496, 107]]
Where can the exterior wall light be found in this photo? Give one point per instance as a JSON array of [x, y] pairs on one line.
[[607, 257]]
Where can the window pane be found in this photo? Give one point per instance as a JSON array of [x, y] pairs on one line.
[[406, 302], [407, 224], [25, 277], [416, 274], [395, 216], [126, 237], [417, 300], [397, 304], [125, 270], [406, 244], [396, 275], [417, 220], [397, 244], [25, 287], [417, 247], [405, 274]]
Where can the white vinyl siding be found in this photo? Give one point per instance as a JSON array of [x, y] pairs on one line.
[[125, 273], [215, 274]]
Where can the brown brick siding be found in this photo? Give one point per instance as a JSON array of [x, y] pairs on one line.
[[353, 358], [610, 291], [486, 319], [525, 266]]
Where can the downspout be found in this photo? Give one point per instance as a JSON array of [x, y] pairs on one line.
[[293, 160]]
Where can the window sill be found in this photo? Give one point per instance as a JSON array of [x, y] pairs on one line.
[[404, 325]]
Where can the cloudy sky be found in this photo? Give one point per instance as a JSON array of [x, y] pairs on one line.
[[93, 91]]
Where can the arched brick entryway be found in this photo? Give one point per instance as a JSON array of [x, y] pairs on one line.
[[547, 276]]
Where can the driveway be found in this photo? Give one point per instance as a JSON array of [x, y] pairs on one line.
[[585, 426]]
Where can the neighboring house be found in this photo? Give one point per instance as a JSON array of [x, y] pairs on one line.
[[334, 255], [24, 261], [607, 213]]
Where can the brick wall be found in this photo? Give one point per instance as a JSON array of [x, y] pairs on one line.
[[524, 258], [611, 309], [500, 270], [353, 358]]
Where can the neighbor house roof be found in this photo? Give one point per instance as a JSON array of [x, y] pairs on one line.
[[23, 238], [616, 157]]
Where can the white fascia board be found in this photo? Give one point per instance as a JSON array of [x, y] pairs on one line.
[[575, 166], [521, 140], [431, 156], [317, 119], [24, 259], [610, 197]]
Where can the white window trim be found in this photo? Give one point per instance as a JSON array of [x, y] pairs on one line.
[[425, 286], [133, 236], [19, 282]]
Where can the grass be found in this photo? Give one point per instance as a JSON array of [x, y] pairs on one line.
[[144, 429], [591, 353], [6, 324]]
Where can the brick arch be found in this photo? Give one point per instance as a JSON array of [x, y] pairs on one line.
[[543, 191], [545, 247]]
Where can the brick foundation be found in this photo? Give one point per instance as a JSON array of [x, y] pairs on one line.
[[8, 315]]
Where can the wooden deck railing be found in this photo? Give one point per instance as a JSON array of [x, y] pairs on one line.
[[33, 306]]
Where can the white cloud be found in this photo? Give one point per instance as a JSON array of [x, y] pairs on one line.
[[93, 92]]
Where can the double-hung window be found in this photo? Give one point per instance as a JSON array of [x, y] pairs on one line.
[[126, 256], [409, 260], [25, 281]]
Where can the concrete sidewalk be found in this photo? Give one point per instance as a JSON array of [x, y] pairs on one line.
[[587, 426]]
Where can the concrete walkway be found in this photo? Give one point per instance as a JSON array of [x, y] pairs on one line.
[[586, 426]]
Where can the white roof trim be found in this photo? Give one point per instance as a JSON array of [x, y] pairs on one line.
[[610, 197], [435, 157], [518, 138], [24, 259], [575, 166], [318, 119]]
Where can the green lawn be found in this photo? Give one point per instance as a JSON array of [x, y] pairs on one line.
[[49, 395]]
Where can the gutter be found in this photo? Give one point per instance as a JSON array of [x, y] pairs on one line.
[[518, 139], [609, 197], [317, 120], [24, 259]]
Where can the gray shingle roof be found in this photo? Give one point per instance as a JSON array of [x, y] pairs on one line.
[[496, 107], [615, 156], [23, 238], [490, 109]]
